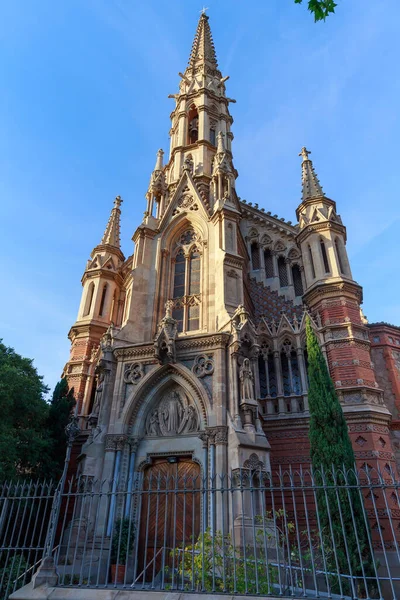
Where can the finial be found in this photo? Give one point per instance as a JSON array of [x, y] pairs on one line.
[[220, 142], [304, 153], [203, 11], [159, 161], [118, 201]]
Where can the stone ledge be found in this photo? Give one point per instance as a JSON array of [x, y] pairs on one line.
[[44, 592]]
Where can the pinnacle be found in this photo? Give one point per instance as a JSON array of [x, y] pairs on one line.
[[111, 235], [203, 46], [311, 187]]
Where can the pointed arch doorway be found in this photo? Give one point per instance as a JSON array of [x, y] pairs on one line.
[[169, 516]]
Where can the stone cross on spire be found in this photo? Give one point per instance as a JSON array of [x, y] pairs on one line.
[[311, 187], [111, 235], [304, 153]]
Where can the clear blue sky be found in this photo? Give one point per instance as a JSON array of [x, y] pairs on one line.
[[84, 108]]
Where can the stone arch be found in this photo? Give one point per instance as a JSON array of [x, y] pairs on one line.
[[178, 226], [144, 397]]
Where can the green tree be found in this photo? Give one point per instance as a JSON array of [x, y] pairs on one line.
[[342, 525], [24, 444], [320, 8], [61, 406]]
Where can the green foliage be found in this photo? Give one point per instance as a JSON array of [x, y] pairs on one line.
[[32, 436], [329, 438], [215, 563], [342, 524], [24, 444], [320, 8], [60, 410], [10, 571], [122, 542]]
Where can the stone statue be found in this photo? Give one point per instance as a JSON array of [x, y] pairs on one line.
[[191, 419], [152, 424], [99, 394], [173, 413], [247, 381]]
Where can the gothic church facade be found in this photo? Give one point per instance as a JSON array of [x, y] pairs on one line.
[[191, 351]]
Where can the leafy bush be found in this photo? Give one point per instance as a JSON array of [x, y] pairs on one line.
[[122, 542]]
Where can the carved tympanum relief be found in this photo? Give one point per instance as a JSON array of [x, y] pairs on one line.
[[174, 415]]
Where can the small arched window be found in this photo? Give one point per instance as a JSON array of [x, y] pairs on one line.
[[193, 125], [297, 281], [339, 255], [310, 255], [255, 256], [324, 256], [103, 300], [89, 299], [282, 270], [269, 263]]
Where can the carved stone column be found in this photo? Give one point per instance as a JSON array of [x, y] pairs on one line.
[[115, 443], [133, 443]]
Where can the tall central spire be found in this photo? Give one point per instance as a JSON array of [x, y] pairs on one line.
[[203, 50]]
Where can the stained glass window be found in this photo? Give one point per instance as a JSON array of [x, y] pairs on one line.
[[194, 274], [297, 282], [255, 256], [179, 278], [269, 263], [282, 270], [194, 317]]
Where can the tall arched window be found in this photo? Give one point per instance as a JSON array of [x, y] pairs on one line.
[[339, 255], [324, 256], [290, 370], [187, 284], [267, 374], [212, 136], [297, 281], [179, 277], [282, 270], [193, 125], [255, 256], [310, 255], [103, 300], [269, 263], [89, 299]]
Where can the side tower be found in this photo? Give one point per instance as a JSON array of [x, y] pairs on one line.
[[334, 298], [100, 307]]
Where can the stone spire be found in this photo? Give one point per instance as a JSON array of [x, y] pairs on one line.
[[203, 50], [111, 235], [311, 187]]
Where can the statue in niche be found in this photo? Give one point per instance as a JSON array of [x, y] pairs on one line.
[[191, 417], [99, 394], [247, 381], [152, 427], [172, 413]]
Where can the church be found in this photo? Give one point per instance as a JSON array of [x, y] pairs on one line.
[[188, 356]]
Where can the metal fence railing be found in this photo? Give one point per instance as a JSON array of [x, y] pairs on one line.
[[291, 533]]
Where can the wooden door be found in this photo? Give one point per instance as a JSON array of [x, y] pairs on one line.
[[169, 515]]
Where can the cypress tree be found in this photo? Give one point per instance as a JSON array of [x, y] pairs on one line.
[[61, 406], [343, 527]]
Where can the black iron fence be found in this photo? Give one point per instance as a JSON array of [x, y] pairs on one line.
[[292, 533]]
